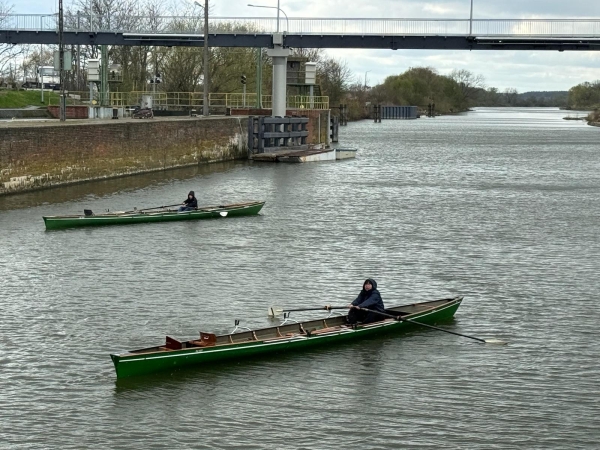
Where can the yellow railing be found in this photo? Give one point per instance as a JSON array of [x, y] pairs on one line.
[[307, 102], [185, 100]]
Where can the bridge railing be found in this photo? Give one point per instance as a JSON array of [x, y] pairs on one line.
[[306, 25]]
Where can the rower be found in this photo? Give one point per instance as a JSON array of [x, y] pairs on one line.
[[368, 298], [190, 203]]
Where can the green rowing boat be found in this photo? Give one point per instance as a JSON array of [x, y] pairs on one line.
[[161, 214], [289, 335]]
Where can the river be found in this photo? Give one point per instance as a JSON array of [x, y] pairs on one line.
[[501, 206]]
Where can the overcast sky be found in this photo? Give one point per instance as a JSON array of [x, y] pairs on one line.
[[522, 70]]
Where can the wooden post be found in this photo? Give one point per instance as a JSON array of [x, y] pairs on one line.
[[261, 135], [250, 135]]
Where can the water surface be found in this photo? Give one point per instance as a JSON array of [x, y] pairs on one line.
[[501, 206]]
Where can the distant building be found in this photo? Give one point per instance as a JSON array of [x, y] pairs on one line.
[[50, 76]]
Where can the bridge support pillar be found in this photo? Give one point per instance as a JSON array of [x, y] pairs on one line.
[[279, 56]]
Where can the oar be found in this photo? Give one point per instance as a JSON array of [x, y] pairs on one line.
[[277, 310], [485, 341], [156, 207]]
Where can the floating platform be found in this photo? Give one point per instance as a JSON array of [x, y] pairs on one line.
[[345, 153], [309, 155], [297, 156]]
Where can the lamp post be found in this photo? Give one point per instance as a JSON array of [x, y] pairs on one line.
[[205, 110], [471, 20], [61, 64], [41, 51], [287, 21]]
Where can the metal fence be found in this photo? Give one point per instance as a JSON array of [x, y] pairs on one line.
[[306, 25], [189, 100]]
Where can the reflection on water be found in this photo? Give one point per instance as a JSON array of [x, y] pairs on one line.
[[92, 190], [498, 205]]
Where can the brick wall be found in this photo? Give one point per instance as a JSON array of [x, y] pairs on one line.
[[34, 156], [73, 112]]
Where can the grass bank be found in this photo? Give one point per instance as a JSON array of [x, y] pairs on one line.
[[22, 99]]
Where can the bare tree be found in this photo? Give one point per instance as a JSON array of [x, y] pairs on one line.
[[316, 55], [511, 94], [469, 84], [334, 77], [8, 52], [32, 59]]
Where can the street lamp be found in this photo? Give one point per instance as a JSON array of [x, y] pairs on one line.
[[471, 20], [287, 26], [206, 81]]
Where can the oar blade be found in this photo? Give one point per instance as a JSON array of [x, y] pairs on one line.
[[495, 342], [274, 311]]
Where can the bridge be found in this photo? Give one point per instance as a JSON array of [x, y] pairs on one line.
[[395, 34], [443, 34]]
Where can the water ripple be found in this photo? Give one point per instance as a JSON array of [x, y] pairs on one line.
[[499, 206]]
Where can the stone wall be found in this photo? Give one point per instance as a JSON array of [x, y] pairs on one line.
[[21, 113], [34, 156]]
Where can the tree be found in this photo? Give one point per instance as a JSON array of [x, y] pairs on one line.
[[316, 55], [419, 86], [32, 60], [334, 76], [8, 52], [469, 85], [510, 95], [585, 95], [490, 97]]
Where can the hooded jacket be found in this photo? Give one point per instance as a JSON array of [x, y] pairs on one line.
[[370, 299], [191, 202]]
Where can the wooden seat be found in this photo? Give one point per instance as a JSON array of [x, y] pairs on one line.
[[325, 330], [207, 340]]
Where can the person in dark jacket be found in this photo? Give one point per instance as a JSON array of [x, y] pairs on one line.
[[369, 298], [190, 203]]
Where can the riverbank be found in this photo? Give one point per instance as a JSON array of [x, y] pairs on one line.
[[594, 118]]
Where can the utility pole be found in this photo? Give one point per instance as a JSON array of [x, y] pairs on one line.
[[154, 77], [61, 63], [41, 71], [243, 80], [78, 68], [205, 100], [259, 78], [104, 75]]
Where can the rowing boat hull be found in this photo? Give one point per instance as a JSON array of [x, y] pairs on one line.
[[142, 362], [243, 209]]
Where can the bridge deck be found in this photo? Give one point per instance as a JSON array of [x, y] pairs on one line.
[[393, 42], [441, 34]]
